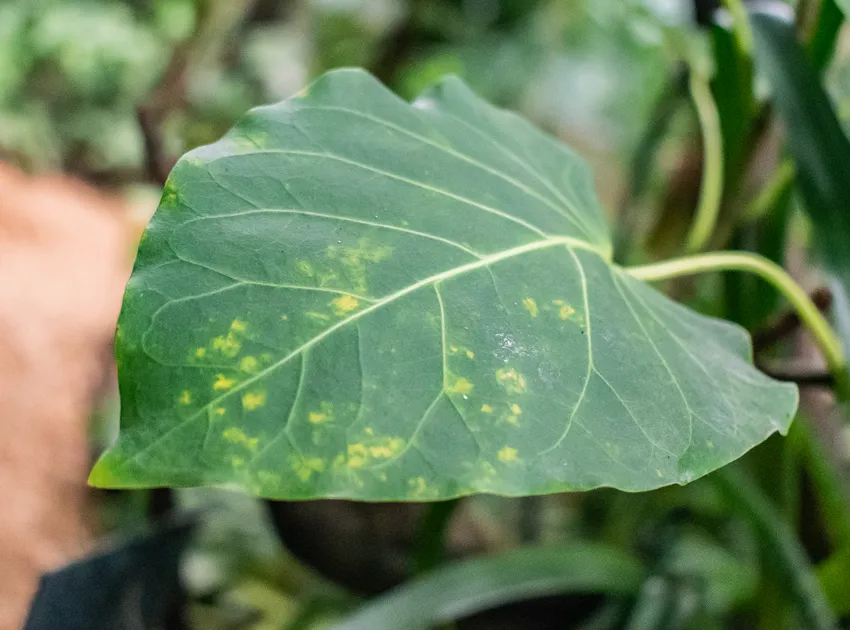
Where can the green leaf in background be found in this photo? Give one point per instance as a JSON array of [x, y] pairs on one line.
[[844, 5], [462, 589], [349, 296], [820, 148]]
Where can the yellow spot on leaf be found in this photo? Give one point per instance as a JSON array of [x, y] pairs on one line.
[[470, 354], [249, 364], [325, 413], [418, 485], [461, 386], [453, 349], [344, 304], [186, 397], [253, 400], [512, 420], [284, 317], [511, 380], [357, 455], [237, 462], [387, 447], [486, 408], [238, 326], [516, 409], [220, 411], [660, 474], [222, 383], [304, 467], [564, 309], [355, 259], [235, 435], [200, 353], [360, 454], [507, 454], [229, 346], [531, 306]]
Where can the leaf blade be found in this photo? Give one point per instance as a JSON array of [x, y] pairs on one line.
[[461, 589], [415, 309]]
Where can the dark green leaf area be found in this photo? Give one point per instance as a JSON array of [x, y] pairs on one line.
[[350, 296]]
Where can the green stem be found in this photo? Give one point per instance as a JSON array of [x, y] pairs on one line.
[[741, 25], [810, 316], [711, 188], [429, 545]]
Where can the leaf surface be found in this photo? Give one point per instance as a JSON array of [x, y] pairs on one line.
[[352, 296]]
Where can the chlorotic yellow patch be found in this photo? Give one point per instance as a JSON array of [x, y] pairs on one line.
[[220, 411], [357, 455], [200, 353], [249, 364], [486, 408], [229, 346], [507, 454], [235, 435], [344, 304], [304, 467], [470, 354], [238, 326], [253, 400], [325, 413], [511, 380], [564, 309], [460, 386], [185, 397], [418, 485], [222, 383], [530, 305], [361, 453], [516, 409]]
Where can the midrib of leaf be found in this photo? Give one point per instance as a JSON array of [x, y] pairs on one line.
[[566, 241]]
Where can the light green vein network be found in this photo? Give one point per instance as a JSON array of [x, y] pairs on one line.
[[352, 296]]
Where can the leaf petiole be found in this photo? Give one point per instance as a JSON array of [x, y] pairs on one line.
[[810, 316], [711, 188]]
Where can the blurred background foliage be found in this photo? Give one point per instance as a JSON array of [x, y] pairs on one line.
[[113, 91]]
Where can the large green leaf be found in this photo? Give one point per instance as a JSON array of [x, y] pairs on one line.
[[465, 588], [350, 296]]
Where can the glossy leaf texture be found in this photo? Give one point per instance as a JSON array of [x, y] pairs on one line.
[[353, 296], [464, 588]]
